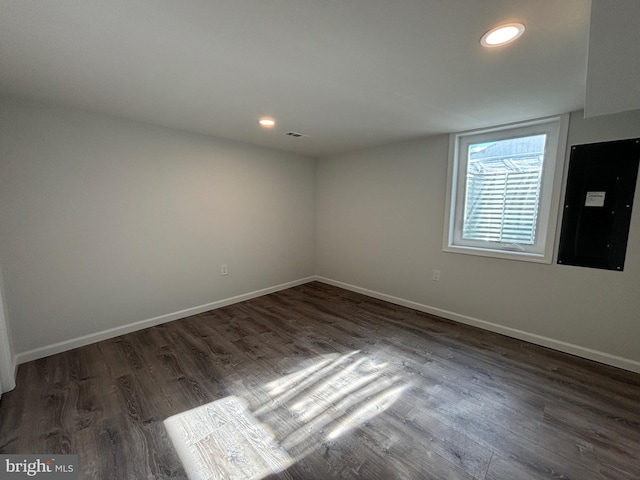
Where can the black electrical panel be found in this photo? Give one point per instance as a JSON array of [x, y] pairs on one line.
[[597, 209]]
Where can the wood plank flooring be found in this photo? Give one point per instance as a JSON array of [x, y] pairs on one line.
[[347, 386]]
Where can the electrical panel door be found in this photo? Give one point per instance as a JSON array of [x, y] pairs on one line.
[[597, 209]]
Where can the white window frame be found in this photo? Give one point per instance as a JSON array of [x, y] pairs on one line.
[[556, 129]]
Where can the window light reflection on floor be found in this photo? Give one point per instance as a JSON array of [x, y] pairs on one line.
[[230, 438]]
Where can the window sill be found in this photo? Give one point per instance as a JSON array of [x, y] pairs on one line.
[[502, 254]]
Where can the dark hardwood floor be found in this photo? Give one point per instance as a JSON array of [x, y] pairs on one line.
[[346, 386]]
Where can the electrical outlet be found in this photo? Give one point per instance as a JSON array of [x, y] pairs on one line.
[[435, 275], [224, 270]]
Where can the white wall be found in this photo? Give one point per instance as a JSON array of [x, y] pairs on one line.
[[107, 222], [379, 230]]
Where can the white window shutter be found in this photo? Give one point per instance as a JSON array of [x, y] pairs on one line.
[[502, 206]]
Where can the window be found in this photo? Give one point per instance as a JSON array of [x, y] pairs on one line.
[[503, 190]]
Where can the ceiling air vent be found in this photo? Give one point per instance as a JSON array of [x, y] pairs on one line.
[[296, 134]]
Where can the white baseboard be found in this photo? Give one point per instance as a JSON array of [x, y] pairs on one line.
[[590, 354], [60, 347]]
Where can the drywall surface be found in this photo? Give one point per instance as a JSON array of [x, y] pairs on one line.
[[379, 227], [107, 222]]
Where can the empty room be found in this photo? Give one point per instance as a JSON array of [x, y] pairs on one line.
[[305, 239]]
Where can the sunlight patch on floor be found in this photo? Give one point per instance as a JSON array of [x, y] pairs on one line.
[[231, 439], [223, 440]]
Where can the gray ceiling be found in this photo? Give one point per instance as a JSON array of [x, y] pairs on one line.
[[349, 73]]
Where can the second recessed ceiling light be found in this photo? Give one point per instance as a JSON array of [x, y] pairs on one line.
[[502, 34], [267, 122]]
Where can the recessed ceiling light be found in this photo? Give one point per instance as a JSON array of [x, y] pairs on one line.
[[502, 34], [267, 122]]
